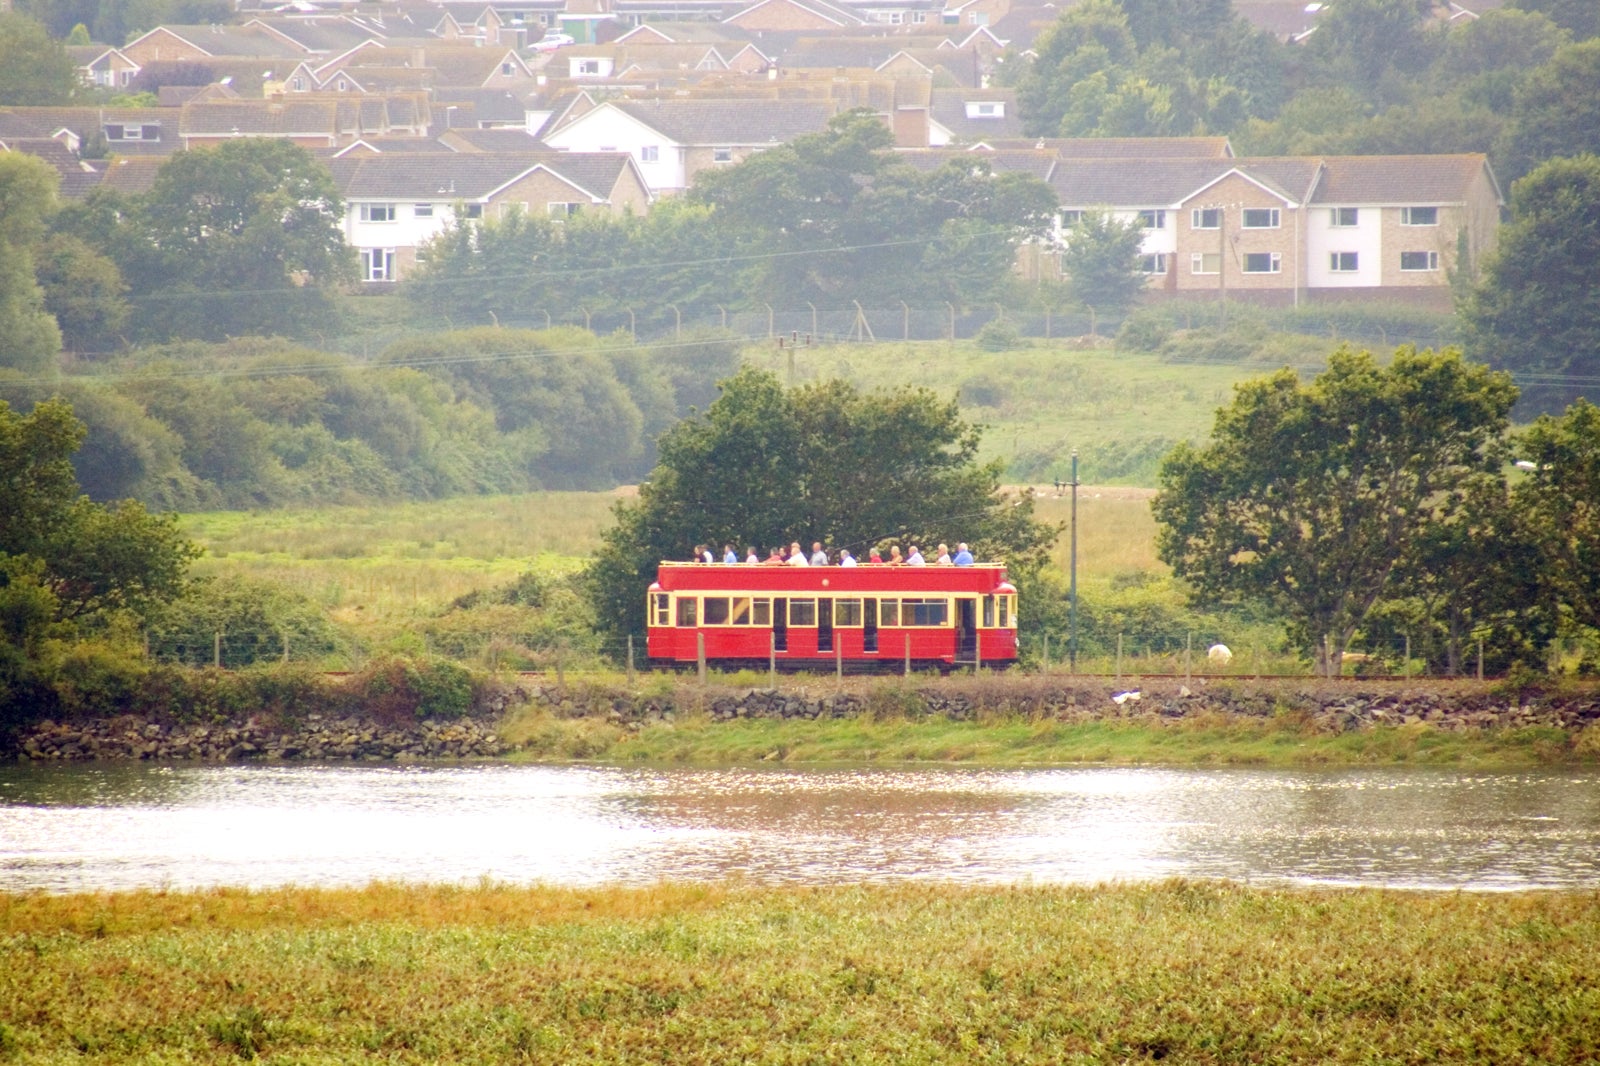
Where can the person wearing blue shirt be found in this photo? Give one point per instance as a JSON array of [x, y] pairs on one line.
[[963, 557], [729, 555]]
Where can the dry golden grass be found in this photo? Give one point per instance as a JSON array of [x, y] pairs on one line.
[[1180, 972]]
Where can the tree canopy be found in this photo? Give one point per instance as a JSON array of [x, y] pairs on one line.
[[1101, 260], [766, 466], [1534, 311], [1309, 497], [35, 70]]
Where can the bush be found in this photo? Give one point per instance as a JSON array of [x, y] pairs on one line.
[[999, 335], [1146, 330], [403, 691]]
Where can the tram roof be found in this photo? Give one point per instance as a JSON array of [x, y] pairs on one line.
[[816, 580]]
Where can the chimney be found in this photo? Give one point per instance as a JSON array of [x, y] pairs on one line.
[[911, 127]]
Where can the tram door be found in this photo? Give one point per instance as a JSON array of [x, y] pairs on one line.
[[966, 630], [824, 624], [780, 625], [869, 626]]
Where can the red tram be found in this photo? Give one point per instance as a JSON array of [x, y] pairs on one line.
[[822, 616]]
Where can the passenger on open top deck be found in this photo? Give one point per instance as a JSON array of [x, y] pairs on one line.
[[751, 557], [943, 558], [915, 557], [776, 558], [874, 556], [963, 556], [729, 555], [818, 556], [796, 556], [894, 555], [845, 558]]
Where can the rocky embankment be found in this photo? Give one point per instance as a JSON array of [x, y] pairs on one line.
[[1328, 707], [1333, 707], [314, 739]]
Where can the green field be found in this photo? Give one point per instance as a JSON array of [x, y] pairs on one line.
[[1122, 411], [1177, 972]]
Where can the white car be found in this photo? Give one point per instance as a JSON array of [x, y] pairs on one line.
[[551, 41]]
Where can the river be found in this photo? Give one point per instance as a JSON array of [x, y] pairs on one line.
[[84, 827]]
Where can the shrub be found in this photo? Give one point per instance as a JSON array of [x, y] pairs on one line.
[[1146, 330], [999, 335], [96, 680], [402, 691]]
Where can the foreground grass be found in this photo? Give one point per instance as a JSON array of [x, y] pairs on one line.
[[1285, 741], [1181, 972]]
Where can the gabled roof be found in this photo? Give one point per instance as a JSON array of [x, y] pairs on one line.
[[1402, 179], [503, 141], [948, 107], [473, 177], [1125, 147], [78, 176], [820, 9], [323, 34], [216, 40], [1036, 163], [492, 107], [1144, 183], [727, 122]]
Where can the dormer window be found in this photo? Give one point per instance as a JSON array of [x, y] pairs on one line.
[[127, 131], [986, 109]]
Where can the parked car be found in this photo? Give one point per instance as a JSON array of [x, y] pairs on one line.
[[551, 41]]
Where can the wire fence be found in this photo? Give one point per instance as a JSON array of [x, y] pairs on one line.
[[850, 322]]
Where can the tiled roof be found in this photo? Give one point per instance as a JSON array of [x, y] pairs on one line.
[[1398, 179], [730, 122], [1038, 164], [498, 106], [1159, 183], [218, 40], [324, 36], [949, 109], [498, 140], [468, 176], [131, 175], [78, 176], [1125, 147]]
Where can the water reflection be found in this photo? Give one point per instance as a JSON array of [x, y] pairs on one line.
[[124, 826]]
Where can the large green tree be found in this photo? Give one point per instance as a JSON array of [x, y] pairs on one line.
[[241, 239], [767, 466], [1561, 494], [1308, 497], [1534, 311], [35, 70], [1555, 112], [1581, 18], [1101, 260], [29, 338]]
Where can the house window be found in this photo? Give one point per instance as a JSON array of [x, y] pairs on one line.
[[918, 18], [1153, 264], [377, 212], [1153, 219], [1344, 217], [473, 210], [590, 67], [1261, 218], [422, 211], [722, 155], [119, 132], [1205, 218], [561, 211], [1343, 262], [650, 153], [505, 69], [298, 84], [344, 86], [896, 17], [1262, 262], [1419, 260], [1070, 218], [1205, 263], [1419, 216], [377, 264]]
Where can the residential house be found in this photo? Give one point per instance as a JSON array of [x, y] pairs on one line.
[[674, 139], [1284, 230], [396, 203], [103, 67], [792, 15]]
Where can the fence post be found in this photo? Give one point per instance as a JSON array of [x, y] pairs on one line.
[[952, 308], [286, 645], [772, 659], [700, 655], [1046, 653], [905, 321], [1407, 671], [1119, 656], [977, 651], [1480, 658], [630, 658], [769, 319], [216, 651], [561, 665], [908, 654], [838, 659], [1188, 650]]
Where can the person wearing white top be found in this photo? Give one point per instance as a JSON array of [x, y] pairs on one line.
[[796, 556], [915, 557], [845, 558]]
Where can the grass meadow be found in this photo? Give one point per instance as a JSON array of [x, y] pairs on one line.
[[1180, 972]]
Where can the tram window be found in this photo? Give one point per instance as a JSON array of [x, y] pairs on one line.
[[802, 612], [1008, 613], [715, 612], [846, 612], [686, 610], [926, 612], [988, 612], [661, 604], [761, 612], [741, 611], [888, 612]]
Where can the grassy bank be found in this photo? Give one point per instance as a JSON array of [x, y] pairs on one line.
[[1282, 741], [1179, 972]]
